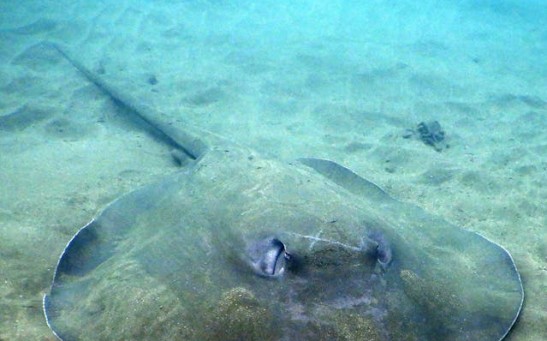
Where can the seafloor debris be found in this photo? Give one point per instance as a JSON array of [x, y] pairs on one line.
[[430, 133]]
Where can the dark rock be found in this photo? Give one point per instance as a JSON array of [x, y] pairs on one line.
[[430, 133], [152, 80]]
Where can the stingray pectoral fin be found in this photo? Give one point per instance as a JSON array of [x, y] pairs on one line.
[[346, 178], [466, 285]]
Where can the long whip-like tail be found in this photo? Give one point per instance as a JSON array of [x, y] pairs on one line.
[[187, 142]]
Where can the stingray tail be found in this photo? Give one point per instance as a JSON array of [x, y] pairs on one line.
[[185, 141]]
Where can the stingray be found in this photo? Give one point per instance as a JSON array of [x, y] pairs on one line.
[[236, 246]]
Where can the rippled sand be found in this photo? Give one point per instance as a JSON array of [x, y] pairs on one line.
[[290, 82]]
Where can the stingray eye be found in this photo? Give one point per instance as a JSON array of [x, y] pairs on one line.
[[378, 246], [269, 257]]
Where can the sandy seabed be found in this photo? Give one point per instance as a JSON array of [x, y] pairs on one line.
[[290, 82]]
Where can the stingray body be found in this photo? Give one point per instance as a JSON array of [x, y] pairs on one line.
[[181, 259]]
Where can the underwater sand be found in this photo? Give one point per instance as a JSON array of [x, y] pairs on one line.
[[311, 79]]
